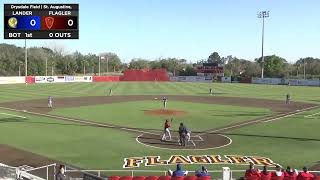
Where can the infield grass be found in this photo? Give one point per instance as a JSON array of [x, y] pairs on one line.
[[197, 117]]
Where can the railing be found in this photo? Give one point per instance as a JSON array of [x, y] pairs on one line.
[[226, 174], [46, 167]]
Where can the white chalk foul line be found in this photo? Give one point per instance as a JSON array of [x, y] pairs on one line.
[[79, 121], [13, 115], [289, 115], [308, 116], [264, 120]]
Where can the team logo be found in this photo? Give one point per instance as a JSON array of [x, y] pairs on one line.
[[12, 22], [134, 162], [50, 79], [49, 22]]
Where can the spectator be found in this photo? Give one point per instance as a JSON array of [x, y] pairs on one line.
[[178, 172], [305, 175], [290, 174], [265, 174], [60, 175], [278, 174], [203, 172], [252, 173]]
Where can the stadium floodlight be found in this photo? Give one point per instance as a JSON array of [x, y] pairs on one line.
[[263, 15], [25, 58]]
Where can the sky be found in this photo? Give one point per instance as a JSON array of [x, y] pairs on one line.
[[190, 29]]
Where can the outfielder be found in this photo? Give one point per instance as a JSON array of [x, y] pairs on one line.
[[50, 102], [210, 90], [164, 100], [166, 131]]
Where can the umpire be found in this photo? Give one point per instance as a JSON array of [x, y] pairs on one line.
[[182, 135]]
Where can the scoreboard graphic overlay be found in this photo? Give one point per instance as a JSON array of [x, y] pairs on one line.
[[41, 21]]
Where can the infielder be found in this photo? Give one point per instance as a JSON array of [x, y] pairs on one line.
[[110, 92], [288, 98], [50, 102], [166, 131], [164, 100]]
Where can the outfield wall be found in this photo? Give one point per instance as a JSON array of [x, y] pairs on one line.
[[12, 80], [291, 82], [191, 79]]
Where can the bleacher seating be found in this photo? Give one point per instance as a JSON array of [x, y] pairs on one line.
[[158, 178]]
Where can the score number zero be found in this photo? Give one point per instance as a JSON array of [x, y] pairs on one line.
[[34, 22]]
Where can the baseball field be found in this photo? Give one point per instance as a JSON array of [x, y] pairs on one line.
[[89, 129]]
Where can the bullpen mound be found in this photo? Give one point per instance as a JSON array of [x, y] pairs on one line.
[[165, 112]]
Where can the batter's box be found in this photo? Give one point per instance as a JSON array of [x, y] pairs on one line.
[[191, 142]]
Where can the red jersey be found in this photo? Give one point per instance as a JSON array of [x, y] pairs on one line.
[[275, 176], [265, 175], [305, 176], [167, 124], [290, 175], [252, 174]]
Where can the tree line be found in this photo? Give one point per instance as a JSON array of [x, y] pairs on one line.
[[58, 63]]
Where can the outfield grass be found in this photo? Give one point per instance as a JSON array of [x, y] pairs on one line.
[[292, 140], [21, 91], [198, 116]]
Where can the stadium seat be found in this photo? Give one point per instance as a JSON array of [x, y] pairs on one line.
[[164, 178], [252, 178], [139, 178], [113, 177], [277, 178], [177, 178], [152, 178], [204, 178], [126, 178], [190, 178], [316, 178]]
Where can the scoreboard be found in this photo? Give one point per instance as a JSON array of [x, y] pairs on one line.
[[41, 21]]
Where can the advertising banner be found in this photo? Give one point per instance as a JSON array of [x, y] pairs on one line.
[[69, 79], [83, 79], [40, 79], [12, 80], [191, 78]]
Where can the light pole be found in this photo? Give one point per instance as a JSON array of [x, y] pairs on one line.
[[25, 58], [46, 66], [19, 69], [52, 69], [262, 14], [304, 69], [107, 64], [99, 65], [84, 68]]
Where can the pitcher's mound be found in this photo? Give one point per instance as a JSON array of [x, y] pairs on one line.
[[165, 112]]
